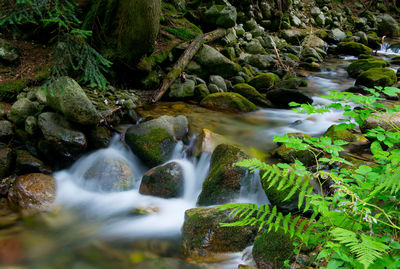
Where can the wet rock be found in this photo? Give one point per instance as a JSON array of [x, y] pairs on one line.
[[165, 263], [250, 93], [374, 42], [207, 141], [6, 131], [109, 174], [388, 26], [99, 137], [8, 53], [165, 181], [201, 91], [182, 89], [203, 235], [359, 66], [20, 110], [220, 15], [344, 134], [61, 138], [72, 101], [219, 82], [222, 184], [154, 141], [7, 157], [228, 101], [353, 48], [264, 81], [363, 37], [5, 185], [377, 77], [216, 63], [26, 163], [272, 248], [33, 192], [282, 97]]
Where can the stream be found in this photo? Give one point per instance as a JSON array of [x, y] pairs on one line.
[[85, 215]]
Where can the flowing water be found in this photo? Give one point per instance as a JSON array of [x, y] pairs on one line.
[[112, 216]]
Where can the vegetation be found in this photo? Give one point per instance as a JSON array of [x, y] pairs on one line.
[[354, 214]]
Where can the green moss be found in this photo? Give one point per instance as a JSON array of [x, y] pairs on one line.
[[10, 89], [293, 57], [180, 33], [377, 77], [42, 73], [249, 92], [359, 66], [353, 48], [345, 135], [228, 101], [273, 248], [264, 81]]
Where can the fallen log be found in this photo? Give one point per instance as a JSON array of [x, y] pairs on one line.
[[183, 61]]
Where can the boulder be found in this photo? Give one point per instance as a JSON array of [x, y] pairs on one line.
[[264, 81], [26, 163], [294, 36], [222, 184], [201, 91], [377, 77], [33, 192], [9, 54], [272, 248], [219, 82], [359, 66], [60, 137], [336, 35], [109, 174], [20, 110], [344, 134], [207, 141], [31, 125], [309, 52], [254, 47], [7, 157], [353, 48], [72, 101], [220, 15], [228, 101], [314, 41], [6, 131], [388, 26], [381, 120], [182, 89], [250, 93], [291, 83], [202, 234], [282, 97], [99, 137], [215, 62], [154, 141], [165, 181]]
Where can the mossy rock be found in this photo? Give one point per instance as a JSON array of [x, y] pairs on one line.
[[222, 184], [201, 222], [250, 93], [359, 66], [353, 48], [292, 83], [228, 101], [272, 248], [377, 77], [344, 134], [264, 81], [10, 89], [20, 110]]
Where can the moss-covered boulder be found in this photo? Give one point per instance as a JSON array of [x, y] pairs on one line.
[[214, 62], [384, 120], [72, 101], [388, 26], [109, 174], [272, 248], [154, 141], [33, 192], [207, 141], [282, 97], [337, 133], [182, 89], [203, 235], [20, 110], [6, 131], [291, 83], [228, 101], [250, 93], [377, 77], [353, 48], [264, 81], [26, 163], [60, 137], [166, 181], [220, 15], [359, 66], [222, 184]]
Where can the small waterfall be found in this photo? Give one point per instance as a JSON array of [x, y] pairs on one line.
[[389, 49]]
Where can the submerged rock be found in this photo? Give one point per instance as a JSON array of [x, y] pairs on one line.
[[228, 101], [33, 192], [203, 235], [153, 141], [72, 101], [165, 181], [377, 77], [359, 66], [223, 182]]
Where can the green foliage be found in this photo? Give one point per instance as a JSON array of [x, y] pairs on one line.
[[73, 55], [356, 224]]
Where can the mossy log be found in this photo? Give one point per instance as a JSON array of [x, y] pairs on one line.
[[183, 61]]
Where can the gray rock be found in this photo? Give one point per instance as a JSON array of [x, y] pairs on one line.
[[220, 15], [315, 11], [7, 157], [201, 91], [254, 47], [314, 41], [363, 37], [6, 131], [60, 137], [182, 89], [337, 35], [294, 36], [295, 21], [388, 26], [20, 110], [8, 52], [250, 25], [72, 101], [320, 20], [31, 125], [311, 52], [219, 82], [27, 163], [165, 181]]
